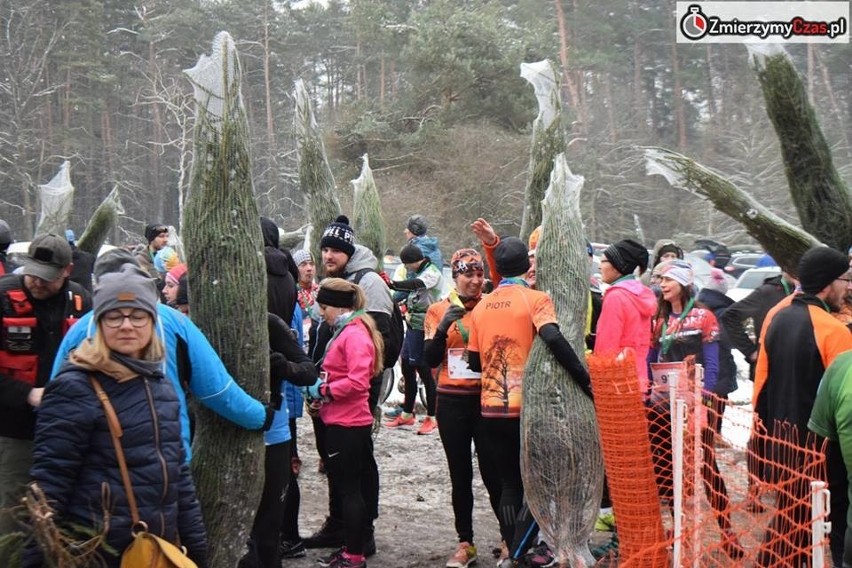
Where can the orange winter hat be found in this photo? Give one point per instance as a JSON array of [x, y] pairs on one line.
[[533, 243]]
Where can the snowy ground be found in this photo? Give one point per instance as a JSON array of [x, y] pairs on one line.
[[415, 528]]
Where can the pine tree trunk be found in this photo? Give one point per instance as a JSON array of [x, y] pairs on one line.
[[561, 459], [784, 242], [227, 282], [821, 197]]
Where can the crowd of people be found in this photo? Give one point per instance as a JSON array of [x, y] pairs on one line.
[[66, 350]]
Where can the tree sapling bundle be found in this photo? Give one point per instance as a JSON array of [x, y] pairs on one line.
[[104, 220], [561, 459], [548, 140], [315, 178], [821, 197], [57, 197], [367, 220], [227, 279], [785, 242]]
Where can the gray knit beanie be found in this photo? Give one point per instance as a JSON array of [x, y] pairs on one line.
[[130, 287]]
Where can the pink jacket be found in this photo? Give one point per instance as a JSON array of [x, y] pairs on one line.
[[349, 364], [625, 321]]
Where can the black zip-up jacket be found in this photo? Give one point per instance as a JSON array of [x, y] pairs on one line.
[[756, 305], [17, 418], [726, 379]]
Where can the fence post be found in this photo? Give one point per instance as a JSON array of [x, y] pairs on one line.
[[820, 528], [678, 427]]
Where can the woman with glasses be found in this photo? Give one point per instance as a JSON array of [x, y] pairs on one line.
[[74, 459]]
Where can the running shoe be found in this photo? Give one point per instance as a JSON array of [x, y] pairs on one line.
[[401, 420], [464, 556], [429, 426]]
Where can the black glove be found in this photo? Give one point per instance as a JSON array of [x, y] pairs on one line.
[[277, 371], [453, 313], [270, 416], [278, 366]]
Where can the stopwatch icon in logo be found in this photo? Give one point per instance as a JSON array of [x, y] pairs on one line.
[[694, 23]]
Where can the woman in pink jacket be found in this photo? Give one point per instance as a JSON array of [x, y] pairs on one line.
[[628, 306], [353, 356]]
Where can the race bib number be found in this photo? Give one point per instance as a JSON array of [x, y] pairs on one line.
[[457, 368], [666, 378]]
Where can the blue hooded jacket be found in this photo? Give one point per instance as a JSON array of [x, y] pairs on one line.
[[211, 383]]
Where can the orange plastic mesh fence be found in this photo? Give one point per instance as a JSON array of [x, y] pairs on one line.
[[746, 495]]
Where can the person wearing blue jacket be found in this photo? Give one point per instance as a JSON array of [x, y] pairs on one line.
[[415, 232], [291, 543], [288, 364], [191, 362]]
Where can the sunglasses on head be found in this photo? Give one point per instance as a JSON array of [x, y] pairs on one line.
[[462, 266]]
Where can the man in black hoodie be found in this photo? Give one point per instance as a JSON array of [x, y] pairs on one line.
[[281, 273]]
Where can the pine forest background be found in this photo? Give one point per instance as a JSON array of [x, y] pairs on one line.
[[430, 89]]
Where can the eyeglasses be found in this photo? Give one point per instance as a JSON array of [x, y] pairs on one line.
[[138, 318], [847, 280]]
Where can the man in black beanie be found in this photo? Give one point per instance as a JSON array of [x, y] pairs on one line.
[[797, 344], [157, 235], [511, 257], [502, 330], [422, 288]]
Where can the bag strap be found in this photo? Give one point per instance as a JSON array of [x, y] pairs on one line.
[[116, 433]]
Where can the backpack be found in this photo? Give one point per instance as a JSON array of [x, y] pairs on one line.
[[392, 337]]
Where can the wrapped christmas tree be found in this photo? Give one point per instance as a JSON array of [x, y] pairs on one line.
[[57, 198], [367, 220], [315, 177], [548, 140], [561, 458], [227, 278]]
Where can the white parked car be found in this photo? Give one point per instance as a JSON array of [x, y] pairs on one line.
[[751, 279]]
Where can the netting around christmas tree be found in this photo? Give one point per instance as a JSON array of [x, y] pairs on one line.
[[56, 197]]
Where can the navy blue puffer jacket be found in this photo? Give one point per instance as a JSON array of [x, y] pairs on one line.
[[74, 456]]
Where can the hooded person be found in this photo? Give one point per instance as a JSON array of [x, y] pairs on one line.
[[713, 296], [281, 273], [664, 249], [415, 231], [628, 306]]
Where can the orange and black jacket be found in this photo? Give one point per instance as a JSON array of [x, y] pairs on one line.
[[797, 344], [30, 333]]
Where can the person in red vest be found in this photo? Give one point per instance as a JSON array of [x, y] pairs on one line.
[[38, 307]]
